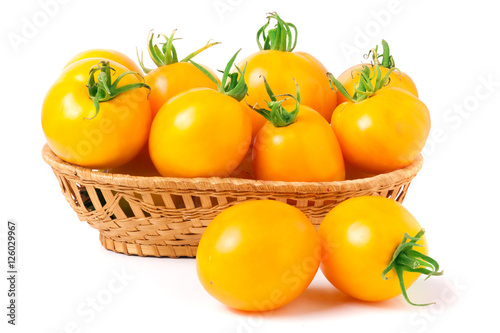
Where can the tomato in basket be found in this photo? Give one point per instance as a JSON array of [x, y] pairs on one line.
[[380, 129], [295, 145], [202, 132], [279, 64], [351, 77], [97, 114], [172, 76], [106, 54]]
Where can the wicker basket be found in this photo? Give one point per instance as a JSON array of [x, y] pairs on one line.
[[165, 217]]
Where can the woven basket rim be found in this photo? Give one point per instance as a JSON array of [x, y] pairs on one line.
[[228, 184]]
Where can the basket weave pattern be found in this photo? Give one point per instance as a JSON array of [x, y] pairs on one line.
[[165, 217]]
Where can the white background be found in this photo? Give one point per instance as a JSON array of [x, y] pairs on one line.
[[449, 48]]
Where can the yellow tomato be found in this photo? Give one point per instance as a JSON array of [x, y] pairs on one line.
[[280, 68], [199, 133], [78, 134], [359, 238], [382, 133], [280, 65], [258, 255], [306, 150]]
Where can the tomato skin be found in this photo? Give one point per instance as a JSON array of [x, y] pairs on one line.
[[199, 133], [306, 150], [358, 239], [141, 165], [245, 169], [396, 79], [313, 60], [111, 139], [382, 133], [170, 80], [353, 173], [108, 54], [258, 255], [280, 68], [257, 120]]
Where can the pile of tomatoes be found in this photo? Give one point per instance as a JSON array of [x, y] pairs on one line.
[[276, 115]]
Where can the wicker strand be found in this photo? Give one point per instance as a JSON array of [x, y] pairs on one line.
[[166, 217]]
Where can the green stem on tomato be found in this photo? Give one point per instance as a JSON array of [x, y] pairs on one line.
[[276, 113], [104, 89], [405, 259], [364, 88], [283, 37], [387, 59], [236, 87], [164, 53]]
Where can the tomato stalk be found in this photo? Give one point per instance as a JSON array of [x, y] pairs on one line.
[[279, 38], [276, 113], [364, 88], [405, 259], [104, 89], [236, 86], [164, 54], [387, 59]]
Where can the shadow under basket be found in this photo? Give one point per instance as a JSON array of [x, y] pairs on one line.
[[165, 217]]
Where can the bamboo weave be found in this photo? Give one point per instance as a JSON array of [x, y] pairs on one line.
[[165, 217]]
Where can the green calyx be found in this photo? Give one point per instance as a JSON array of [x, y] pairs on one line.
[[276, 113], [164, 53], [279, 38], [364, 88], [233, 84], [104, 89], [406, 259]]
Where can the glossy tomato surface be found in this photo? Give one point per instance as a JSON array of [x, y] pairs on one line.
[[257, 119], [306, 150], [382, 133], [358, 238], [141, 165], [280, 69], [200, 133], [258, 255], [77, 135], [170, 80]]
